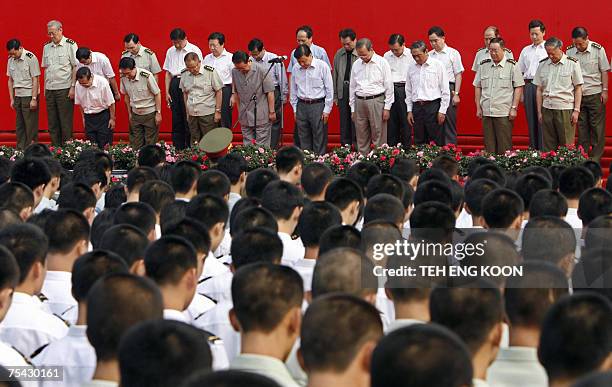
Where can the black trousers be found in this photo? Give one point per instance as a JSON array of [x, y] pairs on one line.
[[180, 127], [450, 123], [276, 134], [226, 109], [97, 130], [398, 130], [426, 128], [347, 126]]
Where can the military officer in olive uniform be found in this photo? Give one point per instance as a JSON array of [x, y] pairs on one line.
[[499, 85], [490, 33], [59, 61], [594, 65], [23, 73], [202, 91], [143, 99], [144, 57], [559, 81]]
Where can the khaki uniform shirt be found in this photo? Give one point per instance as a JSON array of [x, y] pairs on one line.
[[141, 90], [558, 81], [145, 59], [245, 85], [483, 54], [593, 62], [59, 61], [200, 90], [21, 71], [497, 82]]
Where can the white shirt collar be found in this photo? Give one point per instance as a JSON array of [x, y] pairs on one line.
[[172, 314]]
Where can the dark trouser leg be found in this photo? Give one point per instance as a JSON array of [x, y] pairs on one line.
[[434, 131], [53, 120], [592, 126], [304, 126], [489, 134], [96, 128], [548, 129], [31, 120], [565, 129], [226, 109], [418, 113], [276, 125], [536, 130], [180, 128], [65, 109], [503, 134], [318, 128], [20, 122], [397, 126], [348, 134], [450, 123]]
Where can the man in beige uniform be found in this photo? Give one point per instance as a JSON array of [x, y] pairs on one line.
[[499, 85], [594, 66], [490, 33], [144, 57], [559, 81], [202, 90], [59, 60], [23, 72], [143, 99]]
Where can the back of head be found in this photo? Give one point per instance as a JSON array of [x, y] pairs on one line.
[[340, 236], [27, 243], [384, 207], [555, 173], [343, 270], [9, 270], [343, 191], [256, 245], [491, 249], [315, 219], [90, 267], [599, 234], [475, 191], [257, 181], [334, 330], [548, 202], [501, 207], [77, 196], [156, 193], [183, 176], [595, 168], [9, 217], [168, 259], [115, 303], [214, 182], [548, 238], [208, 209], [432, 174], [255, 217], [127, 241], [5, 169], [447, 164], [375, 234], [574, 181], [596, 379], [435, 191], [385, 183], [65, 229], [177, 351], [470, 312], [233, 165], [529, 184], [37, 150], [528, 297], [576, 336], [138, 176], [362, 172], [16, 197], [432, 221], [538, 170], [491, 172], [281, 199], [229, 378], [151, 155], [405, 169], [32, 172], [421, 355], [263, 294], [172, 213], [287, 158], [475, 163], [193, 231], [137, 214], [315, 178], [115, 196], [594, 202]]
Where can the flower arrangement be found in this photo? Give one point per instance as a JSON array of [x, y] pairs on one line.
[[124, 157], [339, 160], [196, 155], [256, 156], [68, 154], [10, 152]]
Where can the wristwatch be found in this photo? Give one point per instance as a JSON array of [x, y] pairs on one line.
[[218, 110], [34, 98], [577, 110], [513, 107]]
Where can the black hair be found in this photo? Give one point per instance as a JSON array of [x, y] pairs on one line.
[[315, 178], [32, 172], [156, 193], [555, 172], [537, 23], [115, 196], [229, 378], [396, 38], [433, 191], [301, 50], [489, 171], [362, 172], [208, 209], [257, 180], [233, 165], [315, 219], [529, 184], [340, 236], [548, 202], [344, 270], [447, 164], [343, 191], [217, 36], [595, 169], [102, 222], [9, 269], [177, 34], [288, 157], [458, 196], [347, 33], [151, 155], [214, 182], [193, 231], [64, 229], [131, 37], [432, 221], [501, 207], [306, 29], [255, 44], [127, 241], [169, 258], [574, 181], [89, 267], [127, 63], [137, 214], [547, 238], [253, 217], [593, 203], [240, 57], [37, 150], [385, 183], [27, 243], [9, 217], [184, 175], [433, 174], [138, 176], [16, 196], [384, 207], [77, 197], [13, 44], [281, 198], [83, 72], [172, 213], [405, 169], [256, 245], [436, 30], [83, 53]]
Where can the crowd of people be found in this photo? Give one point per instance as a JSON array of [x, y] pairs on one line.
[[410, 94], [224, 277]]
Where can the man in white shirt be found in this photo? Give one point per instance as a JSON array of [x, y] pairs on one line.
[[27, 326], [173, 65], [99, 64], [527, 298], [528, 62], [97, 104], [74, 352], [399, 58], [221, 60], [427, 95], [573, 182], [312, 95], [451, 59], [370, 96], [235, 168]]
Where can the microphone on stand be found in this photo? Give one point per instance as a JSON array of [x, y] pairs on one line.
[[280, 59]]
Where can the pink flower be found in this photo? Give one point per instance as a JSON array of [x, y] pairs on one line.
[[260, 150], [395, 152], [253, 142], [194, 158], [391, 162], [383, 158], [420, 154]]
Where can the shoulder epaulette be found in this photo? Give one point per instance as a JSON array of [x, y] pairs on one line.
[[183, 70], [209, 68], [148, 51], [544, 60], [294, 237], [145, 73], [210, 337], [507, 50], [64, 321], [481, 48], [35, 353], [124, 52], [572, 59], [70, 41], [569, 47], [485, 61], [596, 45], [29, 55], [511, 61]]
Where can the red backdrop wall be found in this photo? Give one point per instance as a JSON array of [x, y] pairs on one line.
[[102, 25]]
